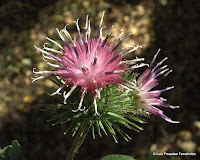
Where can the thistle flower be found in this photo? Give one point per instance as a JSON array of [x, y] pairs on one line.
[[90, 63], [146, 82]]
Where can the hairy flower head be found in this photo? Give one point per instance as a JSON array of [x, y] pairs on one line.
[[92, 63]]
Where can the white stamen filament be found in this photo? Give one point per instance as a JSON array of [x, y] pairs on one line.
[[130, 46], [66, 95], [101, 19], [67, 33], [54, 42], [79, 32], [161, 62], [77, 26], [101, 31], [156, 71], [109, 33], [96, 54], [61, 81], [166, 74], [169, 120], [131, 85], [128, 89], [58, 91], [95, 106], [98, 93], [98, 90], [155, 56], [86, 28], [158, 64], [138, 66], [154, 104], [50, 58], [118, 37], [86, 22], [35, 79], [51, 49], [132, 61], [118, 71], [46, 72], [174, 107], [132, 50], [168, 88], [41, 72], [74, 42], [89, 29], [81, 101], [165, 66], [45, 52], [163, 99], [162, 72], [59, 33], [53, 65]]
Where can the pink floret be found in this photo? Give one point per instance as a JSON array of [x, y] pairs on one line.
[[92, 69], [146, 82]]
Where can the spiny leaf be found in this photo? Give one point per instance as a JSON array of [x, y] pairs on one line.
[[120, 131], [102, 127], [92, 128], [98, 128], [110, 129], [75, 129]]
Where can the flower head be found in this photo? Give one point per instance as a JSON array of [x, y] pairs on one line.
[[146, 82], [90, 63]]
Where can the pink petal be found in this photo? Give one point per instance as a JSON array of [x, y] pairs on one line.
[[143, 76], [157, 112]]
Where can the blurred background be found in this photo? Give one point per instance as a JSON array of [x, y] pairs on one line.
[[171, 25]]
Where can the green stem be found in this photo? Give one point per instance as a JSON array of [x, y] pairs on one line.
[[80, 137]]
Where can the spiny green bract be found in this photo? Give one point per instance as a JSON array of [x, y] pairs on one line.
[[117, 108]]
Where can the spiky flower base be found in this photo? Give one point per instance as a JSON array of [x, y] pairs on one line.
[[116, 107]]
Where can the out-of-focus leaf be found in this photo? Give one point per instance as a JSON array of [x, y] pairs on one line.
[[5, 153], [12, 152], [15, 152], [117, 157]]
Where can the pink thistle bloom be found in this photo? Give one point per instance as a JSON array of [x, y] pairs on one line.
[[146, 82], [90, 63]]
